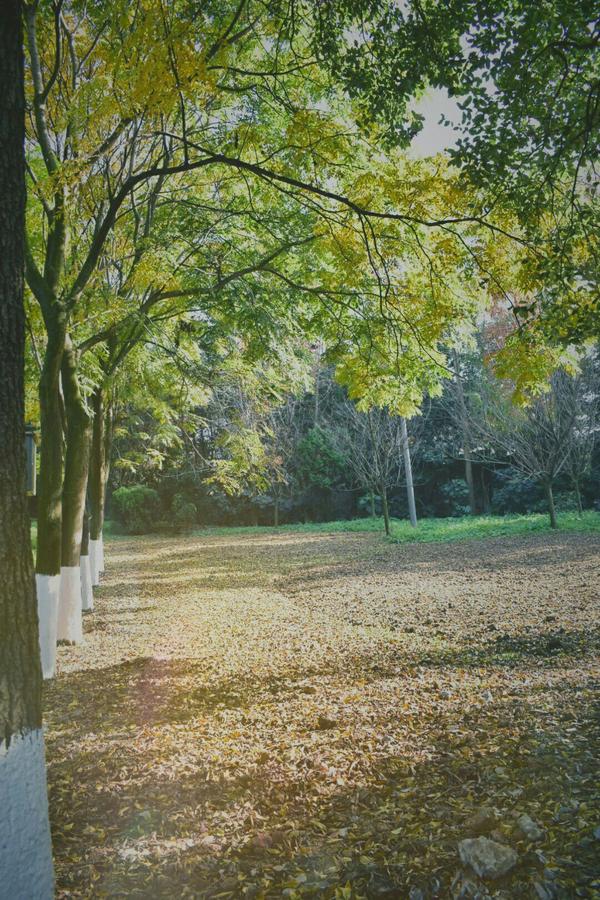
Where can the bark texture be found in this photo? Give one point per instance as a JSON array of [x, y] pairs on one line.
[[99, 462], [76, 460], [20, 670], [384, 504], [50, 482], [550, 501]]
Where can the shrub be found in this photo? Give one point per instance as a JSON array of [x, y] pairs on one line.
[[513, 493], [184, 513], [137, 508], [456, 496], [320, 465]]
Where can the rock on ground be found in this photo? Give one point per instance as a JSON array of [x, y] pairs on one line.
[[487, 858], [529, 829]]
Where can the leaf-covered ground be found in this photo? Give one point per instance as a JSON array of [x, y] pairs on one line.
[[321, 715]]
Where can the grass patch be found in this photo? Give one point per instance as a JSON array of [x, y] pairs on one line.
[[477, 527], [340, 526], [428, 530], [108, 531]]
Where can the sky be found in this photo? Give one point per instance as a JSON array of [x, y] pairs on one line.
[[434, 137]]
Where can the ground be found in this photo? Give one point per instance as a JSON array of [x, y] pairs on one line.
[[310, 714]]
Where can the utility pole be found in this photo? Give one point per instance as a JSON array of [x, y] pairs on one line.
[[410, 488]]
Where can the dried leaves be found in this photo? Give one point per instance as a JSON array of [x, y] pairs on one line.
[[299, 715]]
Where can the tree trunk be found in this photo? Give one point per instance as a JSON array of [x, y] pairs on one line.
[[25, 850], [98, 478], [386, 512], [74, 490], [276, 512], [577, 490], [87, 592], [50, 481], [485, 491], [372, 498], [469, 478], [550, 501], [466, 441], [410, 488], [49, 497]]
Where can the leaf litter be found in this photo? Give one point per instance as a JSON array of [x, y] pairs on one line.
[[300, 715]]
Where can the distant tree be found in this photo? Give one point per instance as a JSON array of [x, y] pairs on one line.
[[321, 464], [282, 436], [581, 394], [372, 443], [537, 439]]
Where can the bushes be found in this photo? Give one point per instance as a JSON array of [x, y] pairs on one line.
[[184, 513], [456, 497], [136, 508]]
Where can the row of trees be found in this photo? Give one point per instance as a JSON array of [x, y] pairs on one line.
[[198, 181], [172, 191]]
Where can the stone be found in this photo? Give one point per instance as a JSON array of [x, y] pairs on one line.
[[529, 829], [482, 821], [487, 858]]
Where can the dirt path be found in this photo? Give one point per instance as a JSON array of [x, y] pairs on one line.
[[319, 715]]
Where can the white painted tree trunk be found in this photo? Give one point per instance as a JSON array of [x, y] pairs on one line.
[[69, 605], [101, 554], [95, 561], [87, 593], [25, 847], [48, 589]]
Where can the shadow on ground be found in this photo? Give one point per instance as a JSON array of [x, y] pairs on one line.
[[343, 775]]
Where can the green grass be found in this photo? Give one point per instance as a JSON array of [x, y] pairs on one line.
[[299, 527], [108, 532], [429, 530], [469, 527]]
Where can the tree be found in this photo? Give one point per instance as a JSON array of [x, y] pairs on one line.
[[148, 118], [535, 440], [282, 439], [525, 76], [371, 443], [320, 468], [581, 393], [25, 850]]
